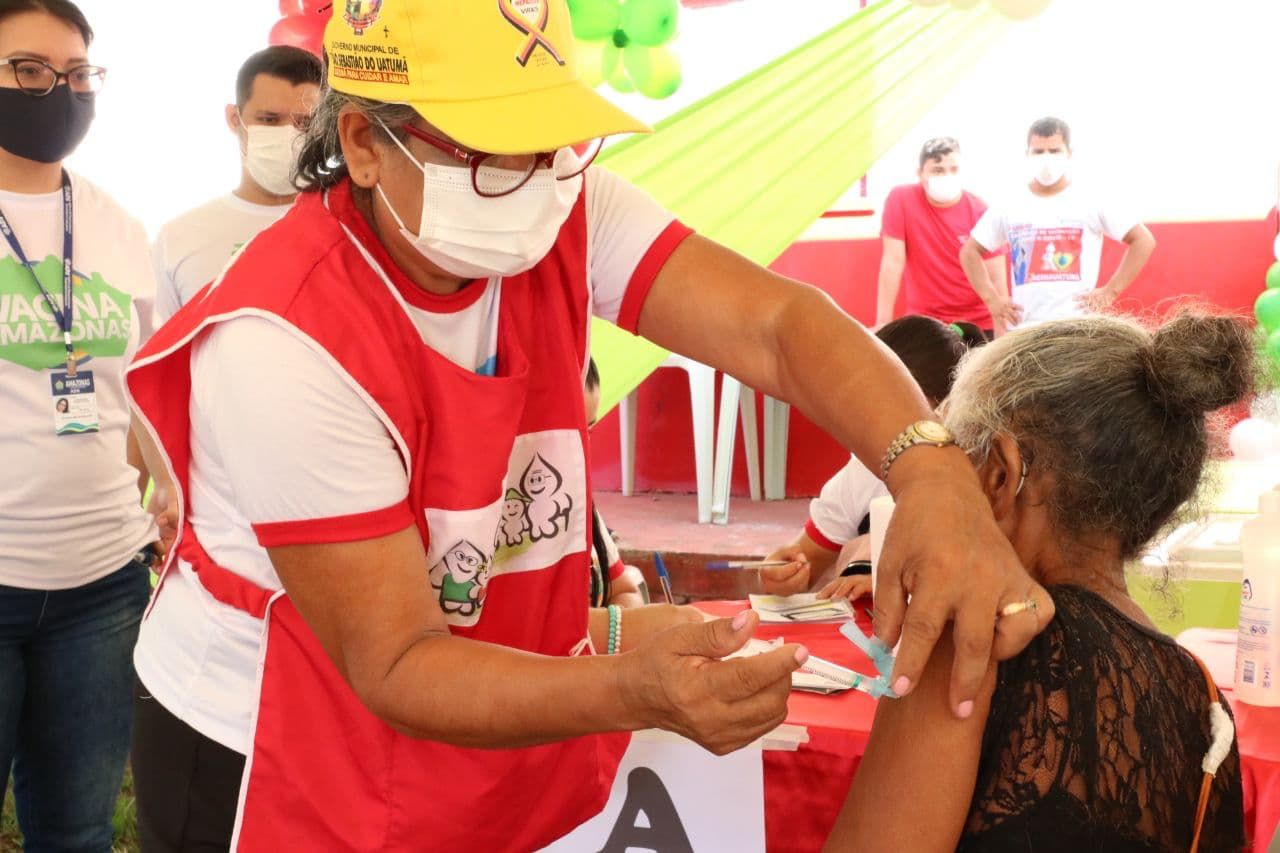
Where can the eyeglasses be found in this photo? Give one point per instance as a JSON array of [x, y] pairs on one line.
[[495, 175], [37, 77]]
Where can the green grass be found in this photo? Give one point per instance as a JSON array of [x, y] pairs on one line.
[[124, 821]]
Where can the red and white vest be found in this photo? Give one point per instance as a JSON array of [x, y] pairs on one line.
[[499, 491]]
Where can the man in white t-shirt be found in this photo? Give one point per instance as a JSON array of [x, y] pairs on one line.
[[276, 92], [1054, 233]]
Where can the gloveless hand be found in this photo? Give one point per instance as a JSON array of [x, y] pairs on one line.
[[1005, 311], [944, 550], [789, 579], [852, 588], [1097, 300], [676, 681], [164, 510]]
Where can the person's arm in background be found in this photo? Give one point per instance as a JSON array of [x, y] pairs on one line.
[[1004, 311], [808, 560], [893, 260], [988, 235], [624, 587], [835, 517], [167, 299], [140, 450], [790, 341], [133, 455], [1140, 244], [145, 457], [997, 267], [893, 257]]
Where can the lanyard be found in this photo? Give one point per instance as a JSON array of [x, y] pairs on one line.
[[64, 317]]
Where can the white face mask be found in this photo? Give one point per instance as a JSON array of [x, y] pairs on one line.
[[471, 236], [1048, 169], [943, 189], [270, 156]]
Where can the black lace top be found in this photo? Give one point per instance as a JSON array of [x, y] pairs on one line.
[[1094, 744]]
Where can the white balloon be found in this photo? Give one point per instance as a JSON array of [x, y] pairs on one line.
[[1252, 440], [1275, 248]]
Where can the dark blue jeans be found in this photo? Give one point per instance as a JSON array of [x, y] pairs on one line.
[[66, 680]]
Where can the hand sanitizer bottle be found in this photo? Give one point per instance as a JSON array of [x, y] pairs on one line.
[[1258, 648]]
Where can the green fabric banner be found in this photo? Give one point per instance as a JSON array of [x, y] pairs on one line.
[[756, 163]]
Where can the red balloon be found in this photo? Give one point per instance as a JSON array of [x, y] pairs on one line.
[[291, 7], [304, 31]]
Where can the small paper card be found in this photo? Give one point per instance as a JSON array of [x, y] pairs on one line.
[[805, 607]]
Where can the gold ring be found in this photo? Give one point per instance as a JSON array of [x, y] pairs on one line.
[[1019, 607]]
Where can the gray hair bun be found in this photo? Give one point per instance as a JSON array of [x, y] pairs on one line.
[[1198, 363]]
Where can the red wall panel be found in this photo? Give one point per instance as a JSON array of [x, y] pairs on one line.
[[1217, 263]]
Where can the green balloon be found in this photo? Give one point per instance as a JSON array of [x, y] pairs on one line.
[[650, 22], [594, 19], [1273, 348], [655, 70], [1273, 276], [619, 80], [610, 60], [1267, 310]]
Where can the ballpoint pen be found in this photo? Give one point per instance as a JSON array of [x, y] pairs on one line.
[[663, 577]]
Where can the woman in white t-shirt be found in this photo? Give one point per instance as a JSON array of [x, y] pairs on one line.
[[74, 539], [838, 517]]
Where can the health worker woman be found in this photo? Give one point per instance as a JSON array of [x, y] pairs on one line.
[[375, 615]]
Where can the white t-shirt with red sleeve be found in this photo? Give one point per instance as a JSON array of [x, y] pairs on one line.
[[836, 513], [285, 450], [1055, 247]]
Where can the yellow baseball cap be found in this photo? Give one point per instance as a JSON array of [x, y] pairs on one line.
[[497, 76]]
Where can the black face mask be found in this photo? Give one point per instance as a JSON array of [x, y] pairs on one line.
[[45, 129]]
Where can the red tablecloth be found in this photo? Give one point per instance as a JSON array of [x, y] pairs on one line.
[[804, 790]]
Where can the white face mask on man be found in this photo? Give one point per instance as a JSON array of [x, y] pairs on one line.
[[943, 189], [271, 154], [1048, 169], [472, 236]]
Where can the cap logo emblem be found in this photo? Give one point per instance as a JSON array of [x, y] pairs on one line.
[[530, 18], [361, 14]]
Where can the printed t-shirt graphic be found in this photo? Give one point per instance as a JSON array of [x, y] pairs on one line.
[[29, 334], [1046, 254]]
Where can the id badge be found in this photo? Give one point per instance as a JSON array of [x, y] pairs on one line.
[[75, 403]]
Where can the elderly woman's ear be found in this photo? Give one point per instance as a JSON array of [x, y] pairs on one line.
[[359, 150], [1003, 477]]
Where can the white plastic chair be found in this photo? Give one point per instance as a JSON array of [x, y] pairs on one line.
[[737, 401], [702, 400]]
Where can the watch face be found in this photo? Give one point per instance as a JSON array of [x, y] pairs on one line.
[[932, 431]]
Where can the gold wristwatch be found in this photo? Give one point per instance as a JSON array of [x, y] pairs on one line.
[[930, 433]]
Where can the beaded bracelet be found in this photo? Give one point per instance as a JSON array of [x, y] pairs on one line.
[[615, 629]]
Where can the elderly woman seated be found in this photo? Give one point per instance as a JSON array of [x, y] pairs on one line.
[[1088, 436]]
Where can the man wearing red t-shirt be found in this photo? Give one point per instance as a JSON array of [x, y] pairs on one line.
[[924, 225]]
